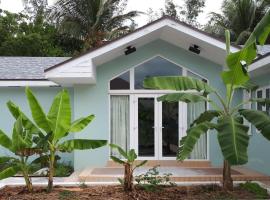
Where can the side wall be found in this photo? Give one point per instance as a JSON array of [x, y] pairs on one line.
[[17, 95], [95, 99], [259, 148]]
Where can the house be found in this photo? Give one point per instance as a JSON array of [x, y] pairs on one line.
[[107, 81]]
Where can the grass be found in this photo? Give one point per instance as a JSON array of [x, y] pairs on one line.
[[255, 188]]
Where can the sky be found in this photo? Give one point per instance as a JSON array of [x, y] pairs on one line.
[[141, 5]]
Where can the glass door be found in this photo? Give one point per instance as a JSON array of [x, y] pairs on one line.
[[158, 127], [146, 138]]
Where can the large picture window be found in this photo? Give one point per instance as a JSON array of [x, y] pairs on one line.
[[139, 121]]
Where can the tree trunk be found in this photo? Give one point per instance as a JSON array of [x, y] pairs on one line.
[[128, 178], [28, 182], [227, 178], [51, 172]]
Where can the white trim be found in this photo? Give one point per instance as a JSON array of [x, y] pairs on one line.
[[123, 42], [260, 63], [95, 58], [24, 83], [246, 96]]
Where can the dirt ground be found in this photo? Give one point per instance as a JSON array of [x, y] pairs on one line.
[[116, 192]]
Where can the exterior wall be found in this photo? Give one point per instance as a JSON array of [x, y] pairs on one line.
[[95, 99], [259, 147], [17, 95]]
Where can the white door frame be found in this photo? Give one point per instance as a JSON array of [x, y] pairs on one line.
[[182, 125]]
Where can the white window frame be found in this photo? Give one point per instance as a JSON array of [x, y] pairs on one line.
[[132, 92], [263, 89]]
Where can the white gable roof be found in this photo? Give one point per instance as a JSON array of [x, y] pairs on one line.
[[81, 69]]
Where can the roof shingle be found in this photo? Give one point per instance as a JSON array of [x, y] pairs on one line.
[[26, 68]]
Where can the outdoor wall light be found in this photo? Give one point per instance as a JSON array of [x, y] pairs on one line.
[[195, 49], [130, 50]]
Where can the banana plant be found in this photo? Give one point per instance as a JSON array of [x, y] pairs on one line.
[[226, 119], [129, 165], [51, 129], [22, 148]]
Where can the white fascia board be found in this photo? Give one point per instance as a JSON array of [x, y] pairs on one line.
[[200, 36], [24, 83], [123, 42], [114, 45], [260, 63], [73, 81]]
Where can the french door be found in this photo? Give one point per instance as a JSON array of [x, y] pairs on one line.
[[157, 127]]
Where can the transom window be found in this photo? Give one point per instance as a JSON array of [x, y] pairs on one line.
[[157, 66]]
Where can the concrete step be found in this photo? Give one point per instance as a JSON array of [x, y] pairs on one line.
[[179, 174], [167, 163]]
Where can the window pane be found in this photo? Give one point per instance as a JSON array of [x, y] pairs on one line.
[[259, 105], [120, 122], [190, 74], [268, 97], [121, 82], [146, 123], [200, 148], [170, 114], [156, 67]]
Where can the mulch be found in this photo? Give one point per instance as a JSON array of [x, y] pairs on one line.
[[205, 192]]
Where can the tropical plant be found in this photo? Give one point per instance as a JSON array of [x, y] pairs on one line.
[[240, 17], [22, 147], [54, 128], [188, 13], [18, 30], [129, 164], [93, 21], [226, 119]]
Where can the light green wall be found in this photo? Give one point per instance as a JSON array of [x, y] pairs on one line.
[[16, 94], [259, 148], [95, 99]]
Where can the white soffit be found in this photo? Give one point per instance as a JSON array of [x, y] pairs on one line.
[[260, 66], [81, 70], [24, 83]]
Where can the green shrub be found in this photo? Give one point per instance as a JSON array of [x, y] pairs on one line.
[[63, 170], [261, 193], [152, 179]]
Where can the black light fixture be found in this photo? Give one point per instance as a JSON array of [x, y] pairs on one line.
[[195, 49], [129, 50]]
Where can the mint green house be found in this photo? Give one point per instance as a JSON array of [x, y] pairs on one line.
[[107, 81]]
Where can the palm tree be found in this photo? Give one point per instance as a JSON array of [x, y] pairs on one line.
[[239, 16], [93, 21]]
